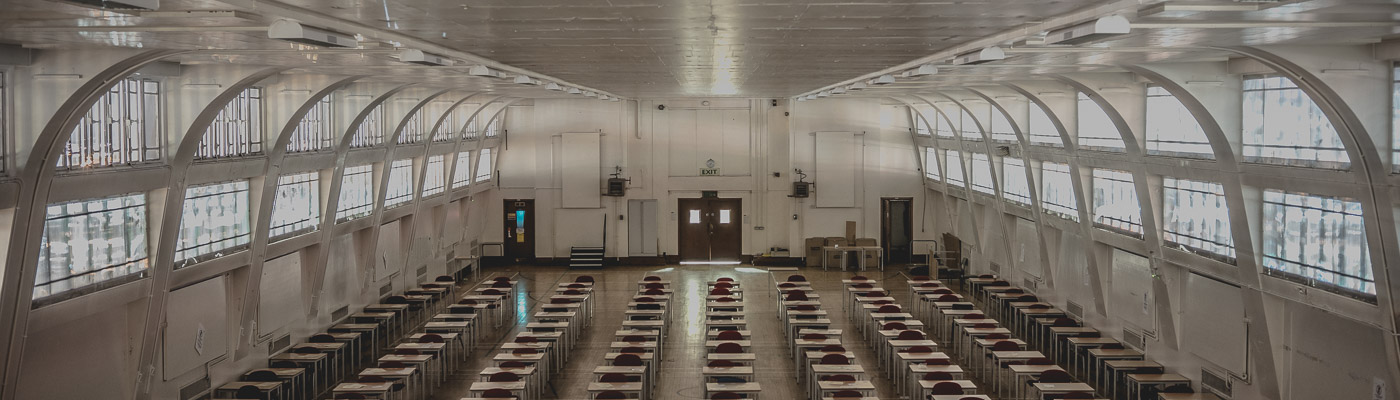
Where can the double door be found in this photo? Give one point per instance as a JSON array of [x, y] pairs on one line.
[[710, 229]]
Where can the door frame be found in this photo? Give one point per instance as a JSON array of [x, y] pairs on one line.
[[709, 215], [885, 232]]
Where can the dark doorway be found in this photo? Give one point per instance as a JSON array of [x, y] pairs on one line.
[[897, 228], [710, 229], [520, 230]]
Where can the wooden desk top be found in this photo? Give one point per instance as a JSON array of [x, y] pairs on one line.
[[1158, 378], [1064, 387], [1117, 353], [1132, 364], [966, 384], [731, 356], [364, 387], [618, 386], [391, 372], [263, 386], [522, 371], [613, 369], [484, 386], [749, 387], [1033, 369], [724, 371], [839, 385], [837, 369]]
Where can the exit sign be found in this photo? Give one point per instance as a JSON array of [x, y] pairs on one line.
[[709, 172]]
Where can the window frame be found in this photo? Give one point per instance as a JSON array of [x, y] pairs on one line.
[[1098, 142], [310, 183], [137, 247], [1040, 138], [316, 130], [1313, 137], [1102, 179], [1050, 204], [370, 132], [1008, 193], [1204, 191], [459, 177], [978, 186], [434, 179], [949, 156], [1270, 242], [238, 129], [149, 134], [1154, 141], [400, 186], [190, 254], [931, 159], [345, 210], [484, 156]]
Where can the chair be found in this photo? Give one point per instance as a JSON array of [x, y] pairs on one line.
[[910, 335], [938, 361], [1040, 361], [846, 394], [729, 348], [796, 278], [946, 388], [651, 278], [1073, 395], [396, 299], [725, 396], [1006, 345], [787, 285], [1064, 322], [628, 360], [282, 364], [445, 279], [616, 378], [720, 364], [1055, 376], [937, 376], [306, 350], [1039, 306], [943, 291], [929, 285], [832, 348], [492, 292], [946, 297], [729, 335], [561, 301], [814, 336], [862, 286], [261, 375], [796, 295], [572, 292], [610, 395], [584, 279], [837, 378], [919, 278], [576, 286], [632, 350], [859, 278], [500, 285], [725, 279], [805, 307], [720, 292], [894, 326], [349, 396], [835, 359], [524, 352], [501, 279], [888, 309], [633, 339], [917, 350], [431, 338], [725, 300], [649, 306], [1027, 299], [1112, 346], [513, 364], [526, 339], [653, 285], [654, 292], [984, 326], [321, 338], [504, 376], [975, 316]]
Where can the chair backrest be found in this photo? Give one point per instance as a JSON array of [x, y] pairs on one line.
[[837, 378], [610, 395], [504, 376], [560, 301], [804, 307], [654, 292], [650, 278], [584, 279], [725, 285], [633, 339], [527, 339], [572, 292], [846, 394], [796, 278], [962, 306], [644, 299], [632, 350], [444, 278], [261, 375], [835, 359], [883, 302], [1027, 298], [996, 336], [833, 348], [929, 285], [628, 360], [938, 361], [862, 286], [720, 364], [725, 300], [501, 279], [813, 336], [613, 378], [497, 394], [500, 285], [729, 348], [729, 335], [787, 285], [796, 296], [492, 292], [720, 292], [894, 325], [524, 352], [282, 364], [725, 279], [306, 350], [1014, 291], [889, 309], [947, 388], [877, 294], [938, 376], [859, 278], [395, 299], [725, 396], [917, 349], [468, 302], [975, 316], [947, 297], [919, 278], [248, 392], [1055, 376], [513, 364], [943, 291], [321, 338], [654, 285], [1006, 345], [910, 335], [1039, 306], [984, 326], [649, 306]]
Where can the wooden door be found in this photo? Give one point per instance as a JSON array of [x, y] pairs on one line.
[[726, 232], [520, 229], [694, 229], [896, 228]]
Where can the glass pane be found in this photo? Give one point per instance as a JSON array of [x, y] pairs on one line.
[[1171, 129], [1096, 130], [1282, 125], [694, 216], [1116, 204], [723, 216]]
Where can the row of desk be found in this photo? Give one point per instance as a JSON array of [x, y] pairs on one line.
[[826, 368], [523, 365], [728, 372]]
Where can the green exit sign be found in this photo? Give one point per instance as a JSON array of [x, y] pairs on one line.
[[709, 172]]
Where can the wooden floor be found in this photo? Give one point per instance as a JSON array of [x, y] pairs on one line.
[[680, 370]]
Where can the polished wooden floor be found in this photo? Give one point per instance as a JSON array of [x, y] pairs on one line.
[[680, 370]]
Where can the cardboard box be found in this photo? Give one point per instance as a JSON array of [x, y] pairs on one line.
[[850, 231], [871, 257], [837, 241], [836, 259], [814, 251], [867, 242]]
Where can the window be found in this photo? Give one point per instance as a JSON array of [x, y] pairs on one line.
[[1317, 240], [1057, 191], [694, 216], [941, 125], [400, 183], [1196, 218], [356, 193], [1282, 125], [931, 164], [370, 133], [1042, 130], [413, 129], [122, 128], [237, 130], [1096, 130], [471, 128], [314, 131], [463, 175], [483, 166], [447, 130], [1171, 129], [955, 168], [297, 208], [1013, 181], [433, 180], [982, 174], [88, 242], [723, 216], [920, 124], [1001, 126], [493, 128], [1116, 206], [215, 218], [969, 126]]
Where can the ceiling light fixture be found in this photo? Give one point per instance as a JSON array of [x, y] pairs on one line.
[[883, 80], [985, 55], [525, 80], [922, 70], [859, 86], [824, 94], [1098, 29], [838, 90], [574, 90], [295, 32], [482, 70], [553, 86], [590, 94], [415, 56]]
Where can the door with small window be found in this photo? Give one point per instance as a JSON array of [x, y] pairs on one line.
[[710, 229]]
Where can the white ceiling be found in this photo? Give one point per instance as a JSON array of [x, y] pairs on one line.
[[665, 48]]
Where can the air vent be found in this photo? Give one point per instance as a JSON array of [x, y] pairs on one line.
[[1216, 382], [1135, 339], [340, 313], [1074, 309], [280, 344], [195, 390], [1028, 284], [386, 289], [423, 270]]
